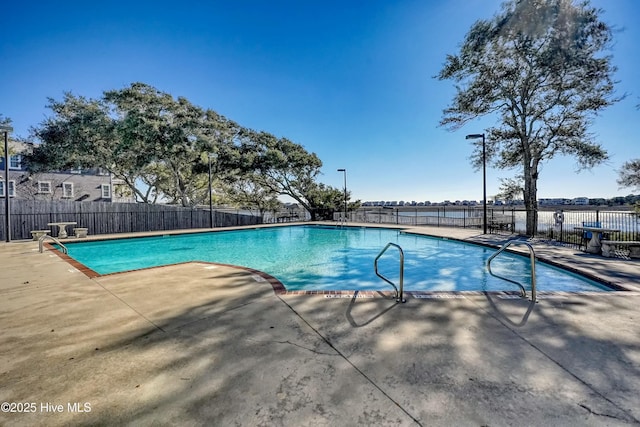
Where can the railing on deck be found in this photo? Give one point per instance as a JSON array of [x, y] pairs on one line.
[[505, 220]]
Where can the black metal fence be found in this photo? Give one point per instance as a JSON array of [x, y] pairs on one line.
[[553, 224], [559, 225], [107, 218]]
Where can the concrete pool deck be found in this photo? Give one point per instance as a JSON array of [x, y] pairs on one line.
[[200, 344]]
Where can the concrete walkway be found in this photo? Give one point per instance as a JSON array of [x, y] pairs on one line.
[[200, 344]]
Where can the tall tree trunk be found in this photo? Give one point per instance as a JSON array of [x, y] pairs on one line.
[[304, 204], [531, 196]]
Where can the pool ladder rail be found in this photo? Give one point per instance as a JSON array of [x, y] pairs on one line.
[[45, 236], [399, 292], [532, 256]]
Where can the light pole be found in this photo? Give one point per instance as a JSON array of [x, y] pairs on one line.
[[7, 225], [211, 156], [345, 192], [484, 178]]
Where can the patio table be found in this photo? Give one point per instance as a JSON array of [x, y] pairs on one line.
[[595, 244], [62, 228]]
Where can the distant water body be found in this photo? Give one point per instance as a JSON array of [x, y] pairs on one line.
[[625, 221]]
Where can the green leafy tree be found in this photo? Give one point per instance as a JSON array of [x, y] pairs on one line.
[[510, 189], [5, 121], [246, 192], [326, 199], [281, 167], [539, 67], [161, 146], [239, 169], [146, 138], [171, 133], [629, 176], [83, 133]]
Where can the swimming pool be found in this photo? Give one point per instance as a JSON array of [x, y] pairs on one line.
[[307, 257]]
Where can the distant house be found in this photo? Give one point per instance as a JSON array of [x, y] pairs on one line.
[[73, 185], [581, 201]]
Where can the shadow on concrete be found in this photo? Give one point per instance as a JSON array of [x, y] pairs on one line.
[[187, 346], [369, 319], [505, 315]]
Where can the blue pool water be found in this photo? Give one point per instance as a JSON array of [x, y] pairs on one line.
[[328, 258]]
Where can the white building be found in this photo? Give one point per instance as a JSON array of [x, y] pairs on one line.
[[581, 201]]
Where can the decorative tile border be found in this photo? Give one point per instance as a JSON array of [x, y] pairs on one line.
[[81, 267], [443, 295]]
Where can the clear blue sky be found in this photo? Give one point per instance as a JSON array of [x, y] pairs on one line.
[[351, 81]]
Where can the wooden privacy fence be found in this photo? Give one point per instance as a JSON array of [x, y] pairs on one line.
[[107, 218]]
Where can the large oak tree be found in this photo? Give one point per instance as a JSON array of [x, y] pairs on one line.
[[145, 136], [282, 167], [541, 68], [150, 140]]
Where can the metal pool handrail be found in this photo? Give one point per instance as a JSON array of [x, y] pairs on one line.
[[41, 243], [399, 293], [532, 256]]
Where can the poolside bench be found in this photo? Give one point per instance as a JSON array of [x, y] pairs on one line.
[[37, 234], [609, 246], [80, 232], [501, 223]]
